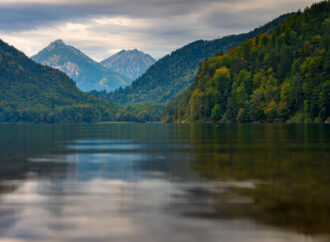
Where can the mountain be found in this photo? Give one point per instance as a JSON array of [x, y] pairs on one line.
[[175, 72], [87, 73], [129, 63], [37, 93], [283, 76]]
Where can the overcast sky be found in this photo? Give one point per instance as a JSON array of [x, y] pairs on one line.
[[101, 28]]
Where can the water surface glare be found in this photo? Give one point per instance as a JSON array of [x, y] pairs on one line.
[[165, 182]]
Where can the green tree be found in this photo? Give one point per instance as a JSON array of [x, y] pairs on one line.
[[216, 113]]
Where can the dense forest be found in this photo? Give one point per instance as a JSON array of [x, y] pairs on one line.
[[175, 72], [31, 92], [283, 76]]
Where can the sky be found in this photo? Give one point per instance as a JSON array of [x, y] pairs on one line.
[[101, 28]]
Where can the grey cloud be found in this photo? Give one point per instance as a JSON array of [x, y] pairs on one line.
[[171, 23], [17, 17], [30, 16]]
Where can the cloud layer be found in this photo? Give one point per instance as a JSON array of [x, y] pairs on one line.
[[102, 27]]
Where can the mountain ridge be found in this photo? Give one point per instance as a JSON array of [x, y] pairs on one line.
[[173, 73], [129, 63], [86, 72]]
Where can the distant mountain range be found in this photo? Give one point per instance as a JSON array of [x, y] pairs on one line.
[[116, 71], [129, 63], [175, 72], [36, 93], [87, 73]]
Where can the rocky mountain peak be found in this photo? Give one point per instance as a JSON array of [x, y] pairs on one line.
[[58, 42], [130, 63], [55, 44]]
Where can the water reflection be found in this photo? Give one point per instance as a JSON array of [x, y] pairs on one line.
[[293, 164], [156, 182]]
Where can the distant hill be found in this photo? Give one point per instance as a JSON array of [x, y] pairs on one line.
[[129, 63], [35, 93], [87, 73], [283, 76], [175, 72]]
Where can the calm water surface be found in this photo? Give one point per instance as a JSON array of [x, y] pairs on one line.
[[164, 182]]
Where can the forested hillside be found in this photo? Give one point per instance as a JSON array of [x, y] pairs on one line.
[[280, 76], [175, 72], [34, 93]]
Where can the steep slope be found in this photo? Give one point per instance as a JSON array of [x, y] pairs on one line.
[[36, 93], [88, 74], [282, 76], [129, 63], [175, 72]]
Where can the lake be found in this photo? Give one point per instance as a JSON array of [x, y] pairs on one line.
[[164, 182]]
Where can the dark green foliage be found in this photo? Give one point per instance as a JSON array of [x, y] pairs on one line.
[[175, 72], [272, 77], [31, 92], [142, 112]]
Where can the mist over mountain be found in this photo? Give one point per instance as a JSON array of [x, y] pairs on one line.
[[129, 63], [87, 73]]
